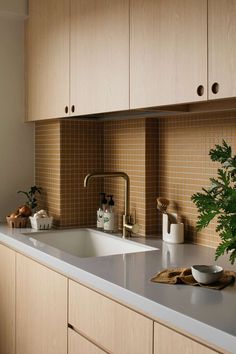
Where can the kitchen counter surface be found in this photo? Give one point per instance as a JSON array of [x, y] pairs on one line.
[[201, 312]]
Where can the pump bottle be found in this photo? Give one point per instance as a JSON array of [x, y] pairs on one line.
[[101, 210], [109, 218]]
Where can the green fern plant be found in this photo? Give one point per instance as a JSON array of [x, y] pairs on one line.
[[219, 201], [31, 196]]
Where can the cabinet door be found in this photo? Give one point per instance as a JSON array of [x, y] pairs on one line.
[[167, 341], [99, 56], [7, 300], [222, 50], [110, 325], [168, 63], [77, 344], [47, 59], [41, 302]]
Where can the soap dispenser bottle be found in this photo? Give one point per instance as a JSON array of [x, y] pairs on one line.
[[101, 210], [109, 215]]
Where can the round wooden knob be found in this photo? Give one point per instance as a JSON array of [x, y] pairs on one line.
[[200, 90], [215, 88]]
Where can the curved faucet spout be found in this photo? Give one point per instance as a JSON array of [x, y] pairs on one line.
[[127, 227], [112, 174]]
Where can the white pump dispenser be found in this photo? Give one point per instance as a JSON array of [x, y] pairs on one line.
[[101, 210], [109, 216]]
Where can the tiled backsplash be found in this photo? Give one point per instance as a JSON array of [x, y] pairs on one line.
[[66, 150], [185, 166], [124, 150], [163, 157], [48, 166]]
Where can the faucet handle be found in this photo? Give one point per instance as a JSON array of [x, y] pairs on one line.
[[129, 227], [134, 228]]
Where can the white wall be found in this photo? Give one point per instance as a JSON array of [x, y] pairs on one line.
[[14, 6], [16, 137]]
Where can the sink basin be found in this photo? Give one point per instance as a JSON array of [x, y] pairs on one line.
[[88, 243]]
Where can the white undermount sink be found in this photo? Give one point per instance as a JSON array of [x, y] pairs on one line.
[[87, 242]]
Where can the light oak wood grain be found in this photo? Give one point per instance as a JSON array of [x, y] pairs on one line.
[[222, 49], [41, 302], [167, 341], [47, 59], [77, 344], [110, 325], [99, 55], [168, 52], [7, 300]]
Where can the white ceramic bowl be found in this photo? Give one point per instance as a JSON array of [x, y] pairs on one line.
[[206, 274]]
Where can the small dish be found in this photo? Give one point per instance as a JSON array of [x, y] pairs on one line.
[[206, 274]]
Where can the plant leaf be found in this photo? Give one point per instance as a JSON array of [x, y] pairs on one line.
[[221, 153], [204, 219], [219, 200]]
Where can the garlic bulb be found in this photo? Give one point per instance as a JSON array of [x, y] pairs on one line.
[[41, 214]]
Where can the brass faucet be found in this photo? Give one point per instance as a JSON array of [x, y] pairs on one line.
[[128, 228]]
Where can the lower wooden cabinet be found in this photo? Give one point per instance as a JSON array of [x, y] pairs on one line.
[[110, 325], [167, 341], [41, 303], [34, 317], [7, 300], [77, 344]]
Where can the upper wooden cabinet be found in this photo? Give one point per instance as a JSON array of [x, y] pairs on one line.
[[47, 59], [182, 51], [99, 70], [222, 50], [77, 57], [89, 56], [168, 52]]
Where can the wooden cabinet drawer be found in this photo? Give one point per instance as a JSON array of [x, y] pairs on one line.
[[110, 325], [77, 344], [167, 341]]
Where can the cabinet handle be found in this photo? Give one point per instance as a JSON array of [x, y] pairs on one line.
[[72, 108], [66, 109], [215, 88], [200, 90]]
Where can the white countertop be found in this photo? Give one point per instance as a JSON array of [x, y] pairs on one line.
[[204, 313]]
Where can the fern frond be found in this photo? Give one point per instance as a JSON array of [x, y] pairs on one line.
[[204, 219], [232, 257], [221, 153], [219, 200]]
